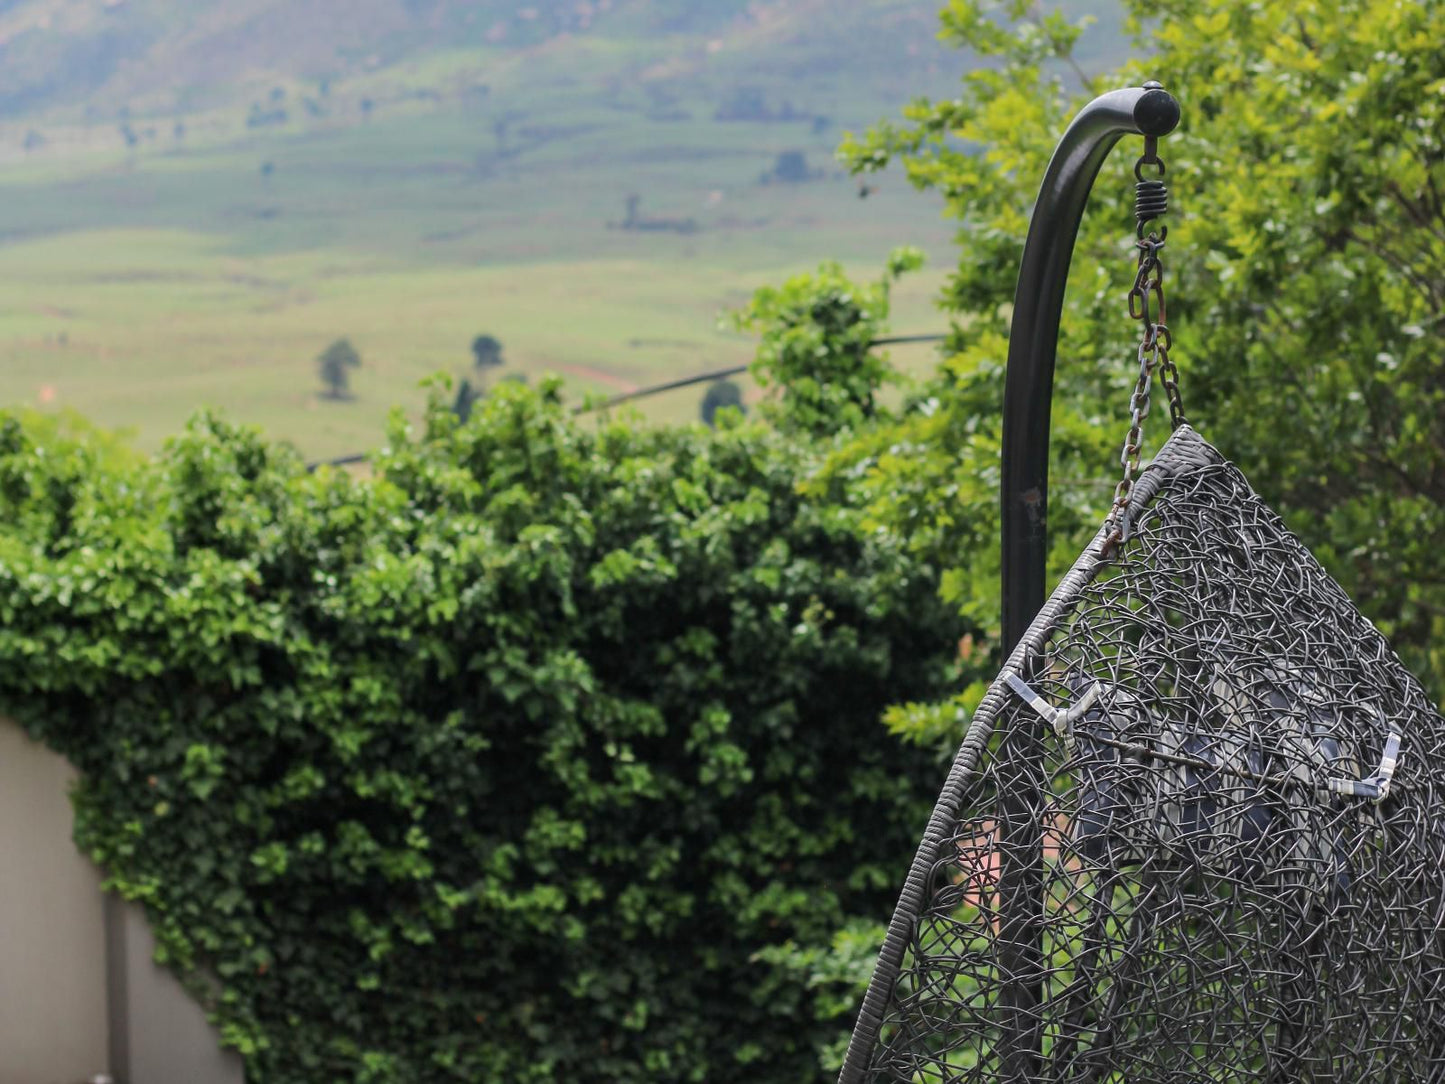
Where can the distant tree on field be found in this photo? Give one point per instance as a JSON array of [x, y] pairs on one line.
[[335, 364], [268, 169], [649, 224], [721, 393], [128, 134], [179, 131], [487, 352], [746, 103], [34, 140], [367, 105], [791, 167], [467, 397], [260, 116]]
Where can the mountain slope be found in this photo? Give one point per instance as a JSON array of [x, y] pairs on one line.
[[103, 60], [162, 56]]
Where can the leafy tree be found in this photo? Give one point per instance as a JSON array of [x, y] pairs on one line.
[[817, 332], [544, 753], [1305, 271], [720, 394], [486, 352], [335, 364]]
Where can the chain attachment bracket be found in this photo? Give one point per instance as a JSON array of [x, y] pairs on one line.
[[1147, 305]]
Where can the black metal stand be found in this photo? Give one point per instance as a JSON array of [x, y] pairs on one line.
[[1033, 338], [1028, 391]]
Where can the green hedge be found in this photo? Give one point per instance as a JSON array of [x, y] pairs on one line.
[[543, 755]]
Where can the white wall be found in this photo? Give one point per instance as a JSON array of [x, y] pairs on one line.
[[53, 1011], [80, 994]]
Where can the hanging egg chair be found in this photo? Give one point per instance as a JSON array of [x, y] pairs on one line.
[[1194, 832]]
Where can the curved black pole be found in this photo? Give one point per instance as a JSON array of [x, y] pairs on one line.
[[1028, 391], [1033, 339]]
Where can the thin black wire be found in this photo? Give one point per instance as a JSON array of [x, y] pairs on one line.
[[656, 389]]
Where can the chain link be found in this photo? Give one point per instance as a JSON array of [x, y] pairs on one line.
[[1146, 304]]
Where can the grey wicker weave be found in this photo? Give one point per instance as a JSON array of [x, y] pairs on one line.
[[1175, 845]]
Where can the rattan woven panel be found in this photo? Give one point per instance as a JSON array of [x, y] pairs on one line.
[[1169, 884]]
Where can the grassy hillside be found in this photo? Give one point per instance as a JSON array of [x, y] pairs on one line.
[[106, 58], [192, 217]]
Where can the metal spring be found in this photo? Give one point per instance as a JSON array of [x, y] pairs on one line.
[[1151, 200]]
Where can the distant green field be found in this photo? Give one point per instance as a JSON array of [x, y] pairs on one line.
[[177, 323], [139, 289], [481, 191]]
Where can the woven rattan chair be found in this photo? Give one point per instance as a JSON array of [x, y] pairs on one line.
[[1194, 831]]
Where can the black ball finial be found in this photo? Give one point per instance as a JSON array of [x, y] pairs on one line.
[[1156, 113]]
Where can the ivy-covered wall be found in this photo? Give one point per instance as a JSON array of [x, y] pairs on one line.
[[547, 753]]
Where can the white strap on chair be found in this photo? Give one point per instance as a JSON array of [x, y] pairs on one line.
[[1376, 787], [1061, 719]]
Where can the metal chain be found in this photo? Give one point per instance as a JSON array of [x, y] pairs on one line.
[[1146, 304]]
